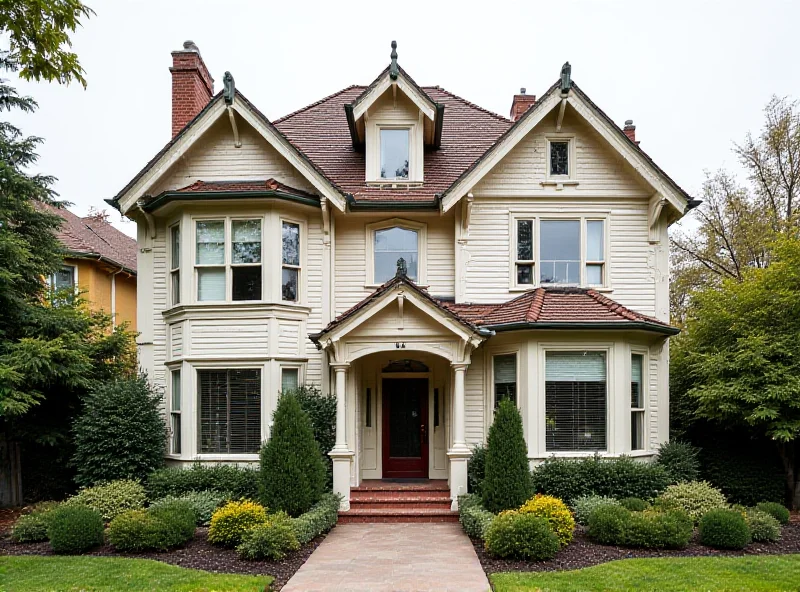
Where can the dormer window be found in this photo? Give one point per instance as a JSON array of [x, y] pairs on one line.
[[395, 153]]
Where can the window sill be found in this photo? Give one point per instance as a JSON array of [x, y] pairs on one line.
[[586, 454], [388, 184], [243, 305], [559, 184], [227, 457], [529, 287]]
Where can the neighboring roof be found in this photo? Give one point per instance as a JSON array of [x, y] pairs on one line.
[[93, 237], [321, 132]]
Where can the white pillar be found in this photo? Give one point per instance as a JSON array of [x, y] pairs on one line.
[[341, 454], [460, 452]]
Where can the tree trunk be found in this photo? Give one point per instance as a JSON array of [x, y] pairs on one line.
[[10, 472], [791, 467]]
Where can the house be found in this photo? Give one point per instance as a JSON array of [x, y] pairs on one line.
[[417, 255], [100, 264]]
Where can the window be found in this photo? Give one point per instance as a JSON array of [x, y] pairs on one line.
[[62, 284], [175, 264], [575, 401], [395, 153], [505, 378], [559, 158], [291, 261], [637, 402], [246, 259], [175, 413], [392, 244], [210, 260], [230, 411], [212, 263], [560, 252], [290, 379], [524, 263], [595, 239]]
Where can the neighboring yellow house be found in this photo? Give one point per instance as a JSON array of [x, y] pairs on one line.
[[101, 264]]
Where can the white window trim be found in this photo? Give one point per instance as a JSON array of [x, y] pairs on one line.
[[299, 366], [561, 180], [301, 269], [645, 409], [422, 248], [172, 411], [537, 218]]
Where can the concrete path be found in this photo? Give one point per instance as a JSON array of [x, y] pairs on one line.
[[392, 558]]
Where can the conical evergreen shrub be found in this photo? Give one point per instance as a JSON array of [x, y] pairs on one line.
[[507, 484], [292, 471]]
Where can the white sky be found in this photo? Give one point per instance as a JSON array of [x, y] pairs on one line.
[[693, 75]]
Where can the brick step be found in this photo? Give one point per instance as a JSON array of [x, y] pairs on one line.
[[378, 485], [400, 497], [418, 514], [400, 505]]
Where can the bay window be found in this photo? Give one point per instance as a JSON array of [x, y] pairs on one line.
[[290, 379], [504, 369], [290, 272], [228, 260], [210, 260], [175, 264], [175, 412], [637, 402], [230, 411], [246, 259]]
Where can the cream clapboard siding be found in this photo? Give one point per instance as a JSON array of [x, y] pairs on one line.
[[176, 348], [314, 287], [229, 338], [475, 397], [652, 414]]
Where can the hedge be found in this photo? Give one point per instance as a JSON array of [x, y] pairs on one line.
[[474, 518], [319, 519], [237, 482]]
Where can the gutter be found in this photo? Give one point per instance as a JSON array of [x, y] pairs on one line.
[[390, 205], [693, 203], [586, 326], [101, 258], [170, 196]]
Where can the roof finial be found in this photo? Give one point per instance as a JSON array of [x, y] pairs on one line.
[[393, 69], [402, 268], [566, 77], [229, 90]]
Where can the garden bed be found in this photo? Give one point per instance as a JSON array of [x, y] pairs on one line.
[[197, 554], [582, 552]]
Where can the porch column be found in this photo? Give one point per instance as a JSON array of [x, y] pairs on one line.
[[341, 454], [460, 452]]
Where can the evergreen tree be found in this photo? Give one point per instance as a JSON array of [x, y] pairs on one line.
[[507, 484], [292, 472]]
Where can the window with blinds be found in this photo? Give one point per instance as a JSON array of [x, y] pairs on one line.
[[290, 379], [230, 411], [505, 378], [575, 401], [637, 402]]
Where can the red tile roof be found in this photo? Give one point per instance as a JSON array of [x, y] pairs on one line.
[[93, 237], [243, 186]]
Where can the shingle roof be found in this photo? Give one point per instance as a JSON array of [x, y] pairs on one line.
[[243, 186], [92, 236]]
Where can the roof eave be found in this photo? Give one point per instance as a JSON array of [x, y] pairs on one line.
[[585, 326], [98, 257], [391, 205], [169, 196]]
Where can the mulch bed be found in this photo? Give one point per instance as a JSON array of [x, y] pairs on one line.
[[197, 554], [584, 553]]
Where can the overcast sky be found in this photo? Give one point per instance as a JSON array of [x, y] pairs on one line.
[[694, 76]]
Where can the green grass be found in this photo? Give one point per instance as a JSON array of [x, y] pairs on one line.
[[764, 573], [101, 574]]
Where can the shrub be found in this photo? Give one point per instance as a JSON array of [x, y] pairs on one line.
[[230, 523], [476, 469], [555, 512], [507, 483], [321, 411], [292, 472], [586, 504], [120, 434], [74, 529], [269, 541], [634, 504], [236, 481], [721, 528], [319, 519], [764, 528], [680, 461], [693, 497], [32, 527], [158, 528], [474, 518], [204, 503], [607, 524], [658, 530], [179, 515], [777, 511], [111, 499], [523, 536], [617, 478]]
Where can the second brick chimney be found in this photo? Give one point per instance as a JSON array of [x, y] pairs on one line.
[[630, 130], [192, 85], [521, 103]]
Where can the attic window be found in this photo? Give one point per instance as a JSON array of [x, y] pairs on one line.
[[395, 153], [559, 158]]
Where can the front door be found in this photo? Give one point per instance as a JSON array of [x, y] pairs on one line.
[[405, 428]]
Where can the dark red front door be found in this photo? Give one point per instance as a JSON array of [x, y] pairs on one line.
[[405, 428]]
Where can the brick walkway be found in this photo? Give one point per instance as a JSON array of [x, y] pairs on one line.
[[392, 558]]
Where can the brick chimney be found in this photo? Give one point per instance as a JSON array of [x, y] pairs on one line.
[[521, 103], [630, 131], [192, 85]]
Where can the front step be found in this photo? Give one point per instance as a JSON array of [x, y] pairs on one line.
[[382, 501], [413, 514]]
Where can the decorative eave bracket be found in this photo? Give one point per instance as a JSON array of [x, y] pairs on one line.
[[466, 214], [654, 210], [229, 94]]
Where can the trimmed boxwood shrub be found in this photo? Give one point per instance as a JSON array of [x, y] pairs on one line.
[[777, 511], [319, 519], [763, 527], [231, 522], [179, 515], [523, 536], [292, 473], [237, 482], [586, 504], [724, 529], [658, 530], [680, 461], [111, 499], [634, 504], [618, 478], [476, 469], [507, 484], [204, 503], [120, 434], [555, 512], [74, 529], [474, 518], [693, 497], [607, 524], [159, 528], [269, 541]]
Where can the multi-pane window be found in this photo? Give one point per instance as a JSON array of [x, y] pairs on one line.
[[559, 158], [175, 264], [246, 259], [290, 379], [595, 252], [575, 401], [210, 260], [395, 153], [560, 252], [637, 402], [230, 411], [291, 261], [505, 378], [62, 285], [524, 263], [392, 244], [175, 413]]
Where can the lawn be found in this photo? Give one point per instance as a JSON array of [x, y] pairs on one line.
[[775, 573], [101, 574]]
